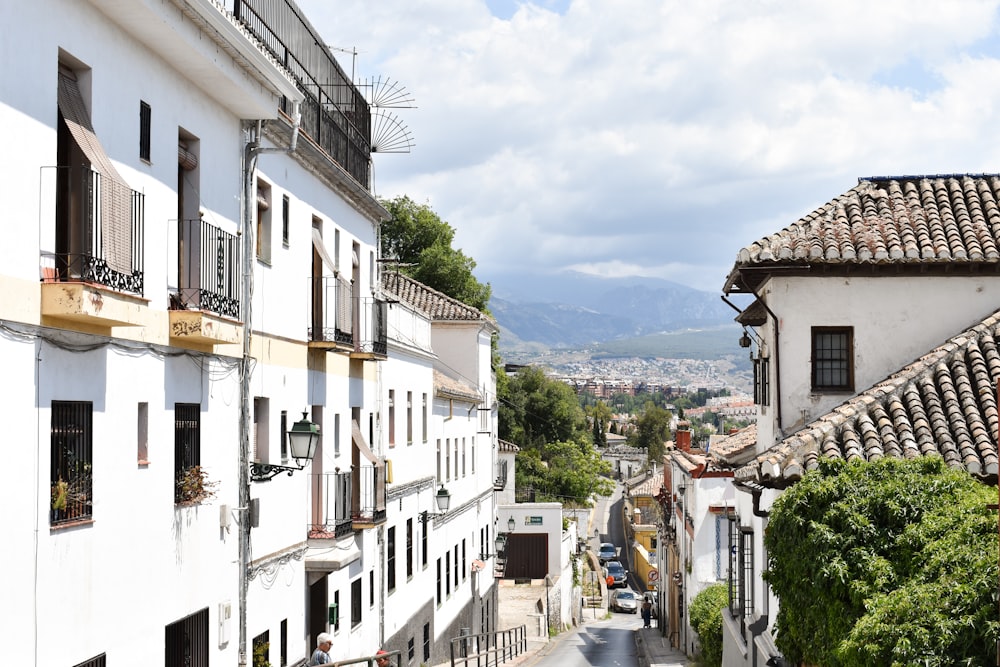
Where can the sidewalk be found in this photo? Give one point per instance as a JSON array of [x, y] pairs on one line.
[[652, 650]]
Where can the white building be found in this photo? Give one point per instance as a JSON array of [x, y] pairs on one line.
[[867, 314], [194, 265]]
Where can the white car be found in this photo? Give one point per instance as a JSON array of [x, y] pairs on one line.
[[606, 552], [624, 600]]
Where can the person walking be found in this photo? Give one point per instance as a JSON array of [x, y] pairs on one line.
[[647, 612]]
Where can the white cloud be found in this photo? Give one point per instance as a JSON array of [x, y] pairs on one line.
[[659, 137]]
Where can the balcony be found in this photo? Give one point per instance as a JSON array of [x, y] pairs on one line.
[[95, 276], [331, 506], [500, 480], [335, 114], [369, 496], [372, 339], [206, 308], [332, 314], [342, 322]]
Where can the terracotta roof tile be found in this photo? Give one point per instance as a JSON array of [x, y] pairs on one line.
[[434, 304], [944, 404], [894, 220]]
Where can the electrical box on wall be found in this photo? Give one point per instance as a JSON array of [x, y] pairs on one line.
[[224, 517], [333, 618], [225, 615], [254, 512]]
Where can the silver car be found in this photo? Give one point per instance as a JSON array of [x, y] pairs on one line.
[[624, 600]]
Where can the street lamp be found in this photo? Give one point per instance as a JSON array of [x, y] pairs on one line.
[[443, 500], [302, 440], [510, 524], [499, 544]]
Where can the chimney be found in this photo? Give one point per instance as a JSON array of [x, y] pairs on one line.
[[683, 436]]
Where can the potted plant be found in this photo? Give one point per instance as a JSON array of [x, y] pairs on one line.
[[193, 486]]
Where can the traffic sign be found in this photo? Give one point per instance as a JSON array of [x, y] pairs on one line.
[[653, 576]]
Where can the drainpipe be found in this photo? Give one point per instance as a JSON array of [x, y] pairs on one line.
[[250, 153]]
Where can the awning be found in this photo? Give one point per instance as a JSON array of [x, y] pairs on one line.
[[359, 442], [115, 196], [321, 249]]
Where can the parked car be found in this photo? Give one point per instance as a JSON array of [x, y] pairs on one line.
[[624, 600], [607, 552], [617, 572]]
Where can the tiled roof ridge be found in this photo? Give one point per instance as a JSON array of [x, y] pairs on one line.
[[428, 300], [942, 404], [910, 219]]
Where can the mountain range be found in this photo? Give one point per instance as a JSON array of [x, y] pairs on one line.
[[571, 310]]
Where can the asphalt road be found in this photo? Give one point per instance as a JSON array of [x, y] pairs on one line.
[[605, 643]]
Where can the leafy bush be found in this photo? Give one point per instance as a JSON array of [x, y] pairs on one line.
[[706, 619], [885, 563]]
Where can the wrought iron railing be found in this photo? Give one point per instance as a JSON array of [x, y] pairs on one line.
[[333, 313], [500, 481], [92, 246], [369, 494], [335, 113], [373, 337], [332, 513], [210, 268]]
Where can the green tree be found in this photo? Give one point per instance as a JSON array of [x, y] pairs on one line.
[[557, 459], [420, 241], [600, 415], [652, 431], [885, 563], [706, 619]]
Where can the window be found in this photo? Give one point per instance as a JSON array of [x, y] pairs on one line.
[[746, 573], [356, 602], [423, 547], [473, 455], [142, 434], [447, 573], [186, 641], [261, 418], [463, 457], [410, 649], [761, 384], [439, 581], [336, 613], [392, 417], [283, 436], [390, 565], [187, 447], [456, 567], [465, 570], [427, 642], [439, 460], [447, 459], [456, 458], [284, 642], [734, 559], [263, 222], [145, 123], [833, 359], [409, 417], [284, 220], [371, 588], [336, 435], [423, 418], [409, 548], [72, 451], [262, 647]]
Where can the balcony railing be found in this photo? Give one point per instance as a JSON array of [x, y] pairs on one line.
[[346, 322], [500, 480], [333, 315], [335, 113], [369, 495], [373, 337], [94, 243], [210, 269], [332, 513]]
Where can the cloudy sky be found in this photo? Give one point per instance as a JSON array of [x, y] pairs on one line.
[[657, 137]]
